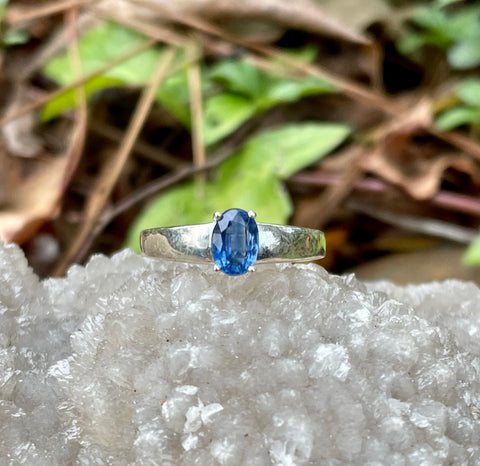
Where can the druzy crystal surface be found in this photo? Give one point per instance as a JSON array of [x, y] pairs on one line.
[[131, 360], [235, 242]]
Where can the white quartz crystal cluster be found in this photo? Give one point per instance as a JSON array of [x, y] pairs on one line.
[[135, 361]]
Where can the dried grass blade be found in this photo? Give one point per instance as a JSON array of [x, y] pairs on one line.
[[110, 175]]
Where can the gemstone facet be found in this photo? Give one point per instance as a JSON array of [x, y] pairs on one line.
[[235, 242]]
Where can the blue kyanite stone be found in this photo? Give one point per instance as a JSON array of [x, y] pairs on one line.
[[235, 242]]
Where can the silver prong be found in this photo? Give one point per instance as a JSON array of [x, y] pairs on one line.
[[252, 214], [251, 269], [216, 268], [217, 216]]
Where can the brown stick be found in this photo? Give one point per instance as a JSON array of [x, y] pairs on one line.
[[323, 207], [425, 225], [110, 175], [227, 149], [353, 90], [142, 148], [195, 90], [147, 190], [444, 199], [15, 14], [78, 82], [78, 136], [161, 34]]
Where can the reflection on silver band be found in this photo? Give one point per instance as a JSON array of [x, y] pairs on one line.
[[191, 243]]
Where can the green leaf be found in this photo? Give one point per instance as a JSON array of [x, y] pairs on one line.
[[67, 100], [456, 32], [472, 254], [434, 21], [469, 91], [9, 37], [463, 23], [305, 54], [239, 76], [178, 205], [103, 44], [289, 90], [235, 90], [444, 3], [223, 114], [15, 37], [183, 205], [250, 91], [411, 43], [250, 179], [308, 144], [3, 4], [457, 116], [285, 150], [98, 47], [174, 95], [244, 78], [465, 54]]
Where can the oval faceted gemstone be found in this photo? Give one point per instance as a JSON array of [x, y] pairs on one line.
[[235, 242]]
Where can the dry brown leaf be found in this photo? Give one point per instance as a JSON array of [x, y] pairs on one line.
[[357, 16], [32, 189], [19, 136], [109, 175], [398, 159], [317, 211], [300, 14], [421, 179], [32, 201]]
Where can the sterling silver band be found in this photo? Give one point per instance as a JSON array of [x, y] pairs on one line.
[[191, 243]]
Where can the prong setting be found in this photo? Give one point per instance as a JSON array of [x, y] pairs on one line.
[[216, 268], [251, 269], [234, 241], [252, 214]]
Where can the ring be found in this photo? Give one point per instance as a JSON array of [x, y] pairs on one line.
[[234, 242]]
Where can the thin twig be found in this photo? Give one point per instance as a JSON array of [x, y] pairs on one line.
[[456, 139], [78, 136], [227, 149], [351, 89], [195, 90], [428, 226], [78, 82], [15, 15], [354, 90], [153, 153], [110, 175], [300, 14], [443, 199], [159, 33], [147, 190], [323, 207]]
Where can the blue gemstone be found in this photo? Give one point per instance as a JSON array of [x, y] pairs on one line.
[[235, 242]]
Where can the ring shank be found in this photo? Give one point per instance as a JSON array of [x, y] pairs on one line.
[[191, 243]]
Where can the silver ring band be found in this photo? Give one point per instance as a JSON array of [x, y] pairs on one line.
[[192, 243]]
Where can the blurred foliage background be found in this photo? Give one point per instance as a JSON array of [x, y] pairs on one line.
[[359, 118]]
